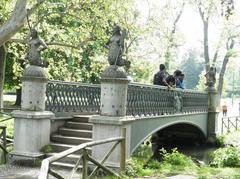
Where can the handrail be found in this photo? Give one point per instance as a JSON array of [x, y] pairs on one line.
[[45, 167], [7, 114], [3, 145]]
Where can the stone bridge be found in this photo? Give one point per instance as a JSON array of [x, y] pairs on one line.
[[141, 109], [115, 104]]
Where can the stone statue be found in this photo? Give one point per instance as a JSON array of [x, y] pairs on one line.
[[177, 102], [35, 46], [211, 77], [116, 48]]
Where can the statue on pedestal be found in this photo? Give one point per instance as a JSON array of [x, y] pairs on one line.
[[35, 46], [211, 77], [116, 48]]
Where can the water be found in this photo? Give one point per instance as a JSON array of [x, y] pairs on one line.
[[200, 153]]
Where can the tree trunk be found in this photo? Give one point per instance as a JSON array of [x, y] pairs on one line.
[[205, 42], [223, 69], [18, 96], [2, 72], [14, 23]]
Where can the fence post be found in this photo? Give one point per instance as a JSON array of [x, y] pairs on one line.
[[123, 151], [85, 165]]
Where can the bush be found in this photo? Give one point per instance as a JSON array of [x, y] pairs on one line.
[[135, 168], [220, 141], [176, 158], [226, 157]]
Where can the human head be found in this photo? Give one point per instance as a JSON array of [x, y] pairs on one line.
[[181, 76], [34, 33], [116, 29], [162, 67], [177, 73]]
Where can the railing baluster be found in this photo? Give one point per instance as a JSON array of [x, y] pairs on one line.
[[75, 167], [85, 164]]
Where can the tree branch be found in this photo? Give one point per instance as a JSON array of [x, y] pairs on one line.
[[224, 65], [16, 20], [62, 44]]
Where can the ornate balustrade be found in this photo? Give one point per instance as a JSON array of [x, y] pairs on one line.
[[152, 100], [142, 100], [71, 97]]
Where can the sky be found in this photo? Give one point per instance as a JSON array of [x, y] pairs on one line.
[[190, 25]]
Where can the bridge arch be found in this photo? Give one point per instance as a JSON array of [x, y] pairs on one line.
[[142, 128]]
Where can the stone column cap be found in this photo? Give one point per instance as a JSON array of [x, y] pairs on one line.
[[111, 120], [33, 73], [33, 114], [114, 72]]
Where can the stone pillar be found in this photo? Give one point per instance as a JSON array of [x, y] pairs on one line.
[[32, 122], [213, 112], [112, 119]]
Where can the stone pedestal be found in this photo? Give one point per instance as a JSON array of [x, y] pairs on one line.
[[213, 112], [32, 122], [31, 133], [112, 119], [105, 127]]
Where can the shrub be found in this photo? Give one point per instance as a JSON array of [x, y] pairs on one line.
[[176, 158], [220, 141], [135, 168], [226, 157]]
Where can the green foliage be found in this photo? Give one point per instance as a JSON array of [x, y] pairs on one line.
[[192, 66], [143, 152], [47, 149], [226, 157], [220, 140], [135, 168], [176, 158]]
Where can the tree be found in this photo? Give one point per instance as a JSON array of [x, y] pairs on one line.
[[209, 10], [76, 33], [14, 23], [192, 66]]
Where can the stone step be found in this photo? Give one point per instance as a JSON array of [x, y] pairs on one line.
[[70, 159], [78, 125], [58, 147], [75, 132], [80, 118], [69, 139]]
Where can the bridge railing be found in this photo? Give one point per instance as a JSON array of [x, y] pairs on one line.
[[152, 100], [142, 99], [72, 97]]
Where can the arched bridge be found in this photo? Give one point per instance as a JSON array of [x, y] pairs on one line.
[[148, 109]]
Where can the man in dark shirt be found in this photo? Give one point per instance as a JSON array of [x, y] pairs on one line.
[[160, 77]]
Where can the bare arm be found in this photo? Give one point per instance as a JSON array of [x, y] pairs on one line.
[[43, 44]]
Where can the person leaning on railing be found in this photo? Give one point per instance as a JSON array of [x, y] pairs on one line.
[[160, 77]]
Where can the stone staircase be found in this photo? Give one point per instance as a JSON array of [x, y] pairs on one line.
[[74, 132]]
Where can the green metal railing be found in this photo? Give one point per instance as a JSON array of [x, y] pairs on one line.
[[142, 99]]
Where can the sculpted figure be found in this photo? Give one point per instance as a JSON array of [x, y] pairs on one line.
[[116, 48], [35, 46], [211, 77]]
